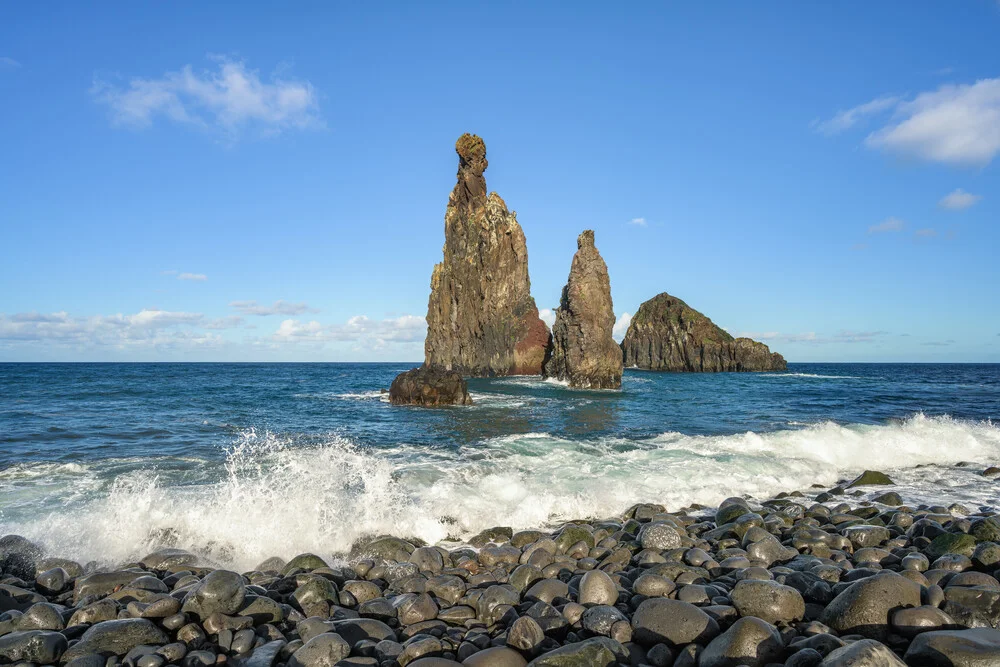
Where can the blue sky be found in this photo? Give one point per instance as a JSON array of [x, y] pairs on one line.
[[201, 181]]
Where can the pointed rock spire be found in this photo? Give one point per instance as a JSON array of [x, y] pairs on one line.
[[583, 350], [481, 319]]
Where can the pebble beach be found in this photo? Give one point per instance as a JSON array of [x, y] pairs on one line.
[[804, 579]]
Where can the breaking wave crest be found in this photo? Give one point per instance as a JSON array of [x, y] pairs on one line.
[[273, 496]]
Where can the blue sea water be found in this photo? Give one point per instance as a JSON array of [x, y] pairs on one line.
[[240, 462]]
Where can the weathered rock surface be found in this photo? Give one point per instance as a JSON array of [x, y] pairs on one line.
[[583, 350], [429, 386], [481, 318], [666, 334]]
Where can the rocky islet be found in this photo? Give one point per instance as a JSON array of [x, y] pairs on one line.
[[483, 322], [666, 334], [788, 581]]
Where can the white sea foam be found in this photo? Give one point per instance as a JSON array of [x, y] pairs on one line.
[[276, 498]]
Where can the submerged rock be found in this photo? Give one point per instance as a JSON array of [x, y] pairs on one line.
[[481, 319], [583, 350], [429, 386], [666, 334]]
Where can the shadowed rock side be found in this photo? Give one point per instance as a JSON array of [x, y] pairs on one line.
[[481, 319], [583, 350], [668, 335], [429, 386]]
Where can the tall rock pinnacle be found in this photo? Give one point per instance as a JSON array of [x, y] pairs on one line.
[[481, 318], [583, 350]]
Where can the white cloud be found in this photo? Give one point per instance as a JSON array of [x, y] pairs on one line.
[[955, 124], [229, 99], [958, 199], [148, 327], [621, 326], [844, 120], [887, 225], [9, 63], [548, 316], [198, 277], [279, 307], [925, 233], [638, 222], [359, 329]]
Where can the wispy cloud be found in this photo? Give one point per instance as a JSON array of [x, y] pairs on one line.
[[858, 336], [197, 277], [958, 200], [848, 118], [621, 326], [925, 233], [360, 329], [955, 124], [638, 222], [8, 63], [859, 246], [888, 225], [548, 316], [813, 337], [230, 99], [807, 337], [939, 343], [279, 307], [228, 322]]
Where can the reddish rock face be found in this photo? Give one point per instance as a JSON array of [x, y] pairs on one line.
[[583, 350], [668, 335], [481, 319]]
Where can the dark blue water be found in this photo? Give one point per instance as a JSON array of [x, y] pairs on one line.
[[245, 452]]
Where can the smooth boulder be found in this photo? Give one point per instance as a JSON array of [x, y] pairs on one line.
[[866, 606], [672, 622]]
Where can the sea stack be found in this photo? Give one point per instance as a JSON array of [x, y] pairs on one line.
[[666, 334], [481, 318], [583, 351]]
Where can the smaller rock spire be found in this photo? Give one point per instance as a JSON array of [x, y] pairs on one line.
[[583, 350]]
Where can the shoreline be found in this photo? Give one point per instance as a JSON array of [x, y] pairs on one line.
[[787, 581]]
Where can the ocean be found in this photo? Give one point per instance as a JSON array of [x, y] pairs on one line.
[[240, 462]]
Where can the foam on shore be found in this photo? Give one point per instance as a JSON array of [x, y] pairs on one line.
[[274, 496]]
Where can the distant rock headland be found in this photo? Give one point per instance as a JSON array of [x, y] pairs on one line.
[[583, 351], [481, 319], [666, 334]]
